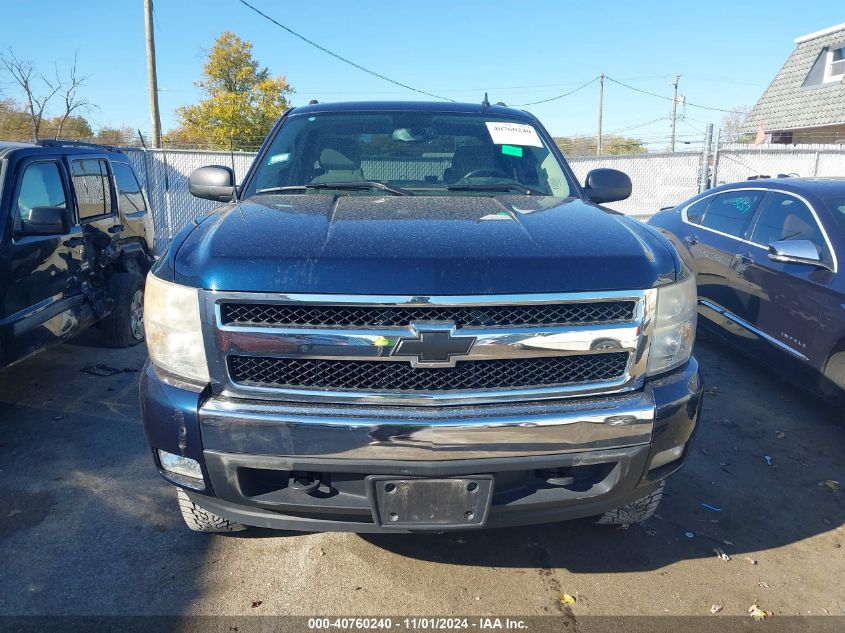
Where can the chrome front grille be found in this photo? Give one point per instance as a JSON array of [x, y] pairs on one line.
[[343, 375], [402, 316], [373, 349]]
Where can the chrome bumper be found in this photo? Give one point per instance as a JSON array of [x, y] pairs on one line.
[[410, 433]]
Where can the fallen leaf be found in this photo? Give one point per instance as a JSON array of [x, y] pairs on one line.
[[651, 532], [567, 599], [14, 512], [750, 560], [713, 391], [768, 459], [716, 608], [721, 554], [758, 614], [780, 435], [689, 534], [728, 542], [257, 603], [764, 585], [832, 484]]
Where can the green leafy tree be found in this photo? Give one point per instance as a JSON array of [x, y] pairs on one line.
[[242, 101]]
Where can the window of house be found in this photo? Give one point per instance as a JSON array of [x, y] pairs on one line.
[[129, 196], [835, 68], [730, 212], [93, 188]]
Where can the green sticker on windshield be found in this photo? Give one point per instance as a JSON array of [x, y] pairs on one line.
[[512, 150], [278, 158]]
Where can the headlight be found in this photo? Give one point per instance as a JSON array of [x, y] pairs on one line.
[[674, 326], [172, 326]]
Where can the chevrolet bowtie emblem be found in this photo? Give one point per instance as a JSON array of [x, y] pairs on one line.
[[434, 346]]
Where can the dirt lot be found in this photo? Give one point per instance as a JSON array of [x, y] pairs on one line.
[[87, 527]]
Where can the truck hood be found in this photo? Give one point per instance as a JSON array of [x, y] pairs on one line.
[[425, 245]]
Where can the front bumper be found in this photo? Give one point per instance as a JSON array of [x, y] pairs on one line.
[[550, 460]]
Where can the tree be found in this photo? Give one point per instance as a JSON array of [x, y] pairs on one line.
[[71, 100], [37, 89], [611, 144], [242, 101], [732, 124]]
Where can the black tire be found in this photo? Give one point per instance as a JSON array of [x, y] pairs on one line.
[[198, 519], [833, 381], [124, 325], [634, 512]]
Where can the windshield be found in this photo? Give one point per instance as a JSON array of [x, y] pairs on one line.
[[408, 153]]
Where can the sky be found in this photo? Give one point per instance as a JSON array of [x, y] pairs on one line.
[[519, 52]]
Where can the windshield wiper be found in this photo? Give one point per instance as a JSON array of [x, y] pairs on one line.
[[515, 186], [358, 185]]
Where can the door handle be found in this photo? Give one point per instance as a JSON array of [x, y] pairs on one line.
[[744, 258], [692, 240]]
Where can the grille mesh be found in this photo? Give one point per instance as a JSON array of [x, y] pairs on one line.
[[399, 376], [389, 316]]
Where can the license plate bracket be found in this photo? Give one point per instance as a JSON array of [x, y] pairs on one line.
[[423, 503]]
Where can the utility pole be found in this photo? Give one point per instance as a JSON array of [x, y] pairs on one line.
[[601, 106], [674, 109], [152, 80], [704, 179]]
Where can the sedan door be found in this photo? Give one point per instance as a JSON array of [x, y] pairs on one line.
[[715, 229], [783, 305]]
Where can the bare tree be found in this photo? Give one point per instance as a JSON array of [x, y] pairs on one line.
[[24, 73], [69, 89], [732, 124]]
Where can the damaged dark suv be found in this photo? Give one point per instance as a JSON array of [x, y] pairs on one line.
[[76, 241], [410, 317]]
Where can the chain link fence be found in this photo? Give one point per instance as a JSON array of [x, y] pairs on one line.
[[659, 179]]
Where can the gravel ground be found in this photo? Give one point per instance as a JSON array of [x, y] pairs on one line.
[[87, 527]]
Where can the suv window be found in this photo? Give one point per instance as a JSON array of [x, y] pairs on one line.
[[129, 196], [785, 217], [730, 212], [41, 186], [92, 185]]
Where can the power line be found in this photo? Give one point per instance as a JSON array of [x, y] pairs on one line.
[[565, 94], [340, 57], [653, 94]]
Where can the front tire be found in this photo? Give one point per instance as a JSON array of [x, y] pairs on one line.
[[198, 519], [124, 325], [634, 512]]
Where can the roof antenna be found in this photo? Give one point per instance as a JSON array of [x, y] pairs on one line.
[[486, 103]]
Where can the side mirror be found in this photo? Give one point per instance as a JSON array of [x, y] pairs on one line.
[[46, 221], [796, 252], [607, 185], [214, 182]]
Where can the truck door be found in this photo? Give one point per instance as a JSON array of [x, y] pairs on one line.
[[783, 304], [42, 300]]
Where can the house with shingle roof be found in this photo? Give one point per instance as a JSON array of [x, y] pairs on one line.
[[805, 103]]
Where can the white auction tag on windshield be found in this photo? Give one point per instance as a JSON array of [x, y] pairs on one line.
[[513, 134]]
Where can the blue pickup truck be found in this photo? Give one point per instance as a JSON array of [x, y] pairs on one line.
[[411, 317]]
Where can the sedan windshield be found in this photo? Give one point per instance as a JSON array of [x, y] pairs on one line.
[[408, 153]]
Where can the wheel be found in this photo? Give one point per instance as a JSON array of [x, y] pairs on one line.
[[833, 381], [198, 519], [124, 325], [634, 512]]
